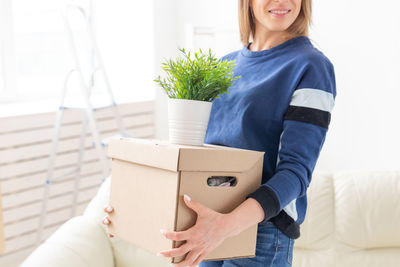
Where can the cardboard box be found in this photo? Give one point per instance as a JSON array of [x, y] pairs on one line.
[[150, 177], [2, 242]]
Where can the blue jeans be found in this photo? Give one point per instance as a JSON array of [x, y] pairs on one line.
[[273, 249]]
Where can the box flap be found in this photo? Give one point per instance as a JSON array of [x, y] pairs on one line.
[[174, 157], [150, 152], [217, 158], [144, 201]]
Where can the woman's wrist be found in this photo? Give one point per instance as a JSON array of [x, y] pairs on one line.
[[245, 215]]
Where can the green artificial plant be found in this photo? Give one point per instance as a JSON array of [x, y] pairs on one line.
[[202, 78]]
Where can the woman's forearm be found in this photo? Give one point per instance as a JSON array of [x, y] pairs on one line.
[[245, 215]]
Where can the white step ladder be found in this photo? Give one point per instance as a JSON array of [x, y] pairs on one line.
[[87, 110]]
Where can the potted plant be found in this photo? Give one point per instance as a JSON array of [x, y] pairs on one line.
[[192, 85]]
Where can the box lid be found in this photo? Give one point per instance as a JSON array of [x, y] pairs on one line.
[[177, 157]]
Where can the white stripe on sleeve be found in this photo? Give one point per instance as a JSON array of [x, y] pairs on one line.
[[313, 98]]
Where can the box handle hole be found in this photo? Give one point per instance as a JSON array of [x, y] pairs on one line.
[[225, 181]]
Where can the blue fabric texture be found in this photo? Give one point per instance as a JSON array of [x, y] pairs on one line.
[[273, 249], [281, 105]]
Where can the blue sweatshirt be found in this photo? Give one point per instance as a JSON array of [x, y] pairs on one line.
[[281, 105]]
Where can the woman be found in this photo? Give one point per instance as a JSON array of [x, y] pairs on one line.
[[280, 105]]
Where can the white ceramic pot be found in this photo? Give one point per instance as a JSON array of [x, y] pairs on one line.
[[188, 121]]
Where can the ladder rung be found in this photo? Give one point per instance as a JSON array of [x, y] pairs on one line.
[[64, 175], [97, 101], [105, 141], [83, 108]]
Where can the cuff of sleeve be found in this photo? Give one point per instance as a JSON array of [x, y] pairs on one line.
[[268, 201]]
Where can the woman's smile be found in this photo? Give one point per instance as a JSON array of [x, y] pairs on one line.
[[279, 13]]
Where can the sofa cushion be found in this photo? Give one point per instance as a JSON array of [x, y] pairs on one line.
[[387, 257], [79, 242], [314, 258], [316, 232], [367, 209]]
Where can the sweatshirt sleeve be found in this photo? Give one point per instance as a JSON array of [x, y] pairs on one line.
[[305, 125]]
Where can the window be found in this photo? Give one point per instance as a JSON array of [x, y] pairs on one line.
[[7, 59], [42, 57]]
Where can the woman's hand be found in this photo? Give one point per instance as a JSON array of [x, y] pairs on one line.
[[210, 230], [106, 220]]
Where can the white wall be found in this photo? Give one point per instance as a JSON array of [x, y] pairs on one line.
[[363, 43], [125, 38], [165, 46]]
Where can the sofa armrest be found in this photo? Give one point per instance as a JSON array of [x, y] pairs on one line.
[[80, 242]]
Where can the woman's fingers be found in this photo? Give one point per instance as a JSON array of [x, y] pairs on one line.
[[106, 220], [108, 209], [199, 259], [175, 252], [190, 258], [177, 236]]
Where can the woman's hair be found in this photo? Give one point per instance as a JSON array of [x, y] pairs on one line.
[[247, 25]]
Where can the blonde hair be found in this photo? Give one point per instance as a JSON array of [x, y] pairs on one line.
[[247, 25]]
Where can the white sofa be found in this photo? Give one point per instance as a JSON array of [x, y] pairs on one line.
[[353, 219]]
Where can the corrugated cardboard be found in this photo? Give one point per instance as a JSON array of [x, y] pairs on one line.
[[150, 177], [2, 244]]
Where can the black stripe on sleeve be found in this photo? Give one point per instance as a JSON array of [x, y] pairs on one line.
[[268, 201], [310, 115]]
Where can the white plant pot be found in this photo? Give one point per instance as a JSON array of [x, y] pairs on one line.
[[188, 121]]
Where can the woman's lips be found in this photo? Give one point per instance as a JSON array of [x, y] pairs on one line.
[[280, 14]]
